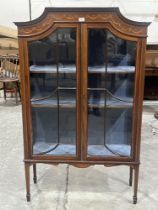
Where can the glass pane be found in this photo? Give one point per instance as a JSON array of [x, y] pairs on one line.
[[111, 74], [53, 93], [42, 84]]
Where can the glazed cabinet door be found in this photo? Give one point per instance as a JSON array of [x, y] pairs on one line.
[[109, 80], [54, 92]]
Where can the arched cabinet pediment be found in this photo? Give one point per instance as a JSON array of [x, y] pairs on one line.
[[82, 73], [108, 15]]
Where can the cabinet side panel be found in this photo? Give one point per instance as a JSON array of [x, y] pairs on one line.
[[138, 122], [23, 96]]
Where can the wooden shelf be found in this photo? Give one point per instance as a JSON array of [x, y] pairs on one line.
[[151, 71]]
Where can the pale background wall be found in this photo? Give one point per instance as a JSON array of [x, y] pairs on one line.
[[140, 10]]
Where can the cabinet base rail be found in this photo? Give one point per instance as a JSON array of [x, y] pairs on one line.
[[133, 180]]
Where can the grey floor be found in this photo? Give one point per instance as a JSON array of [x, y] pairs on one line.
[[65, 187]]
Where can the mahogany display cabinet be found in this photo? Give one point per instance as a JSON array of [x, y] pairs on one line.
[[82, 80]]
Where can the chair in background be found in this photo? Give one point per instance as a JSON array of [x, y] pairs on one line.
[[9, 75]]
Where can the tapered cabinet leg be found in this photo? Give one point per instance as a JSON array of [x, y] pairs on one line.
[[136, 176], [34, 174], [27, 178], [130, 176]]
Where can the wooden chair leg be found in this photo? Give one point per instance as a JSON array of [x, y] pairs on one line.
[[16, 96], [34, 174], [136, 175], [27, 178], [4, 89], [130, 176], [18, 88]]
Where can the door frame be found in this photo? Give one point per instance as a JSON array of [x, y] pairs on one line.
[[84, 94], [78, 94]]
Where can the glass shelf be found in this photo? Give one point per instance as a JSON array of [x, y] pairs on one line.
[[52, 103], [62, 97], [54, 149], [53, 69], [72, 69], [112, 69], [111, 103], [103, 98], [71, 103], [109, 150]]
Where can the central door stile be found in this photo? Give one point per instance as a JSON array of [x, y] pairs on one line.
[[78, 91], [84, 108]]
